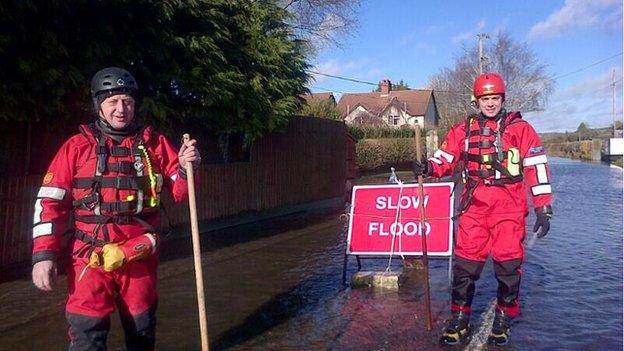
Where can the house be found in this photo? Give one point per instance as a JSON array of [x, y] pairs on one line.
[[392, 108]]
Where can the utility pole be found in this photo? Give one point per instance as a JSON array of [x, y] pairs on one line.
[[482, 58], [613, 110]]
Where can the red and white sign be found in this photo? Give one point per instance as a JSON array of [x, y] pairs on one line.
[[385, 220]]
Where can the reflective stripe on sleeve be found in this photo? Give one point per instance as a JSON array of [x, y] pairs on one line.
[[542, 176], [153, 241], [51, 193], [435, 160], [448, 157], [42, 229], [531, 161], [38, 210], [541, 189]]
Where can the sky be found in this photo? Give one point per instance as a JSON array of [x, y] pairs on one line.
[[579, 42]]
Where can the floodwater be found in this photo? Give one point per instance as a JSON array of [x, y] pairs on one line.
[[277, 285]]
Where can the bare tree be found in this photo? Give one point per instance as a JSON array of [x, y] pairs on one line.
[[528, 86], [322, 22]]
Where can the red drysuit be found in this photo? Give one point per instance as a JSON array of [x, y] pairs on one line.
[[500, 162], [111, 190]]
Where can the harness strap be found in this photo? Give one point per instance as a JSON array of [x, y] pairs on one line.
[[486, 173], [502, 181], [95, 219], [86, 238], [119, 151], [90, 199], [482, 173], [120, 206], [499, 139], [489, 158], [121, 167], [485, 131], [139, 166], [119, 182], [100, 168], [466, 145], [123, 219], [101, 152], [482, 144]]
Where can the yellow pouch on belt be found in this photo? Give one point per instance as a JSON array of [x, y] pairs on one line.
[[110, 258], [513, 161]]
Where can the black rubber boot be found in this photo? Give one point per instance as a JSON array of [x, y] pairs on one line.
[[457, 330], [501, 329]]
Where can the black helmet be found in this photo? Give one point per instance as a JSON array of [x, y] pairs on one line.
[[112, 80]]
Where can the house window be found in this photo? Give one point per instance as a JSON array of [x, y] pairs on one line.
[[393, 120]]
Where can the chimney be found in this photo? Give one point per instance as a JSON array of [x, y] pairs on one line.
[[386, 86]]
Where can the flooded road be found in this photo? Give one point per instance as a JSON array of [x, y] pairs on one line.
[[277, 285]]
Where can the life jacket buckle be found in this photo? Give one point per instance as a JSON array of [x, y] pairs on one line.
[[138, 166], [89, 206]]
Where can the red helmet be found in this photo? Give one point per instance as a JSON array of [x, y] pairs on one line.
[[488, 84]]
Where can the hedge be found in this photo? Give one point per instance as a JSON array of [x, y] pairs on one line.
[[373, 153], [367, 131]]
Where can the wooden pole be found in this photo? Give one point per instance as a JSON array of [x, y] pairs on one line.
[[421, 207], [199, 276]]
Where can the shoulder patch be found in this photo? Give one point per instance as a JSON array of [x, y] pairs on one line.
[[536, 150], [47, 179]]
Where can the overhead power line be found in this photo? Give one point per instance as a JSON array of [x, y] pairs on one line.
[[586, 67], [329, 90], [351, 80], [450, 91], [343, 78]]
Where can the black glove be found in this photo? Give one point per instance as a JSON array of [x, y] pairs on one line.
[[421, 168], [542, 222]]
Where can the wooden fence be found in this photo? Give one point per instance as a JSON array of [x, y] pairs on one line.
[[17, 200], [301, 163]]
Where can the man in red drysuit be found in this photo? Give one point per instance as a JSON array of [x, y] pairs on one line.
[[499, 156], [109, 177]]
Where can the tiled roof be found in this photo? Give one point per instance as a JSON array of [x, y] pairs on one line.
[[414, 101], [318, 96]]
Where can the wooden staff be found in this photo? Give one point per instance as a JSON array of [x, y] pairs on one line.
[[199, 276], [421, 208]]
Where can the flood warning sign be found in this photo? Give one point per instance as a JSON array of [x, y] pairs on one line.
[[385, 220]]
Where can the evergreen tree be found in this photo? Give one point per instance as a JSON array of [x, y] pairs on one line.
[[322, 109], [400, 86], [231, 66]]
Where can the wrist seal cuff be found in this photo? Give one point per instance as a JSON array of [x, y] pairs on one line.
[[547, 210]]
